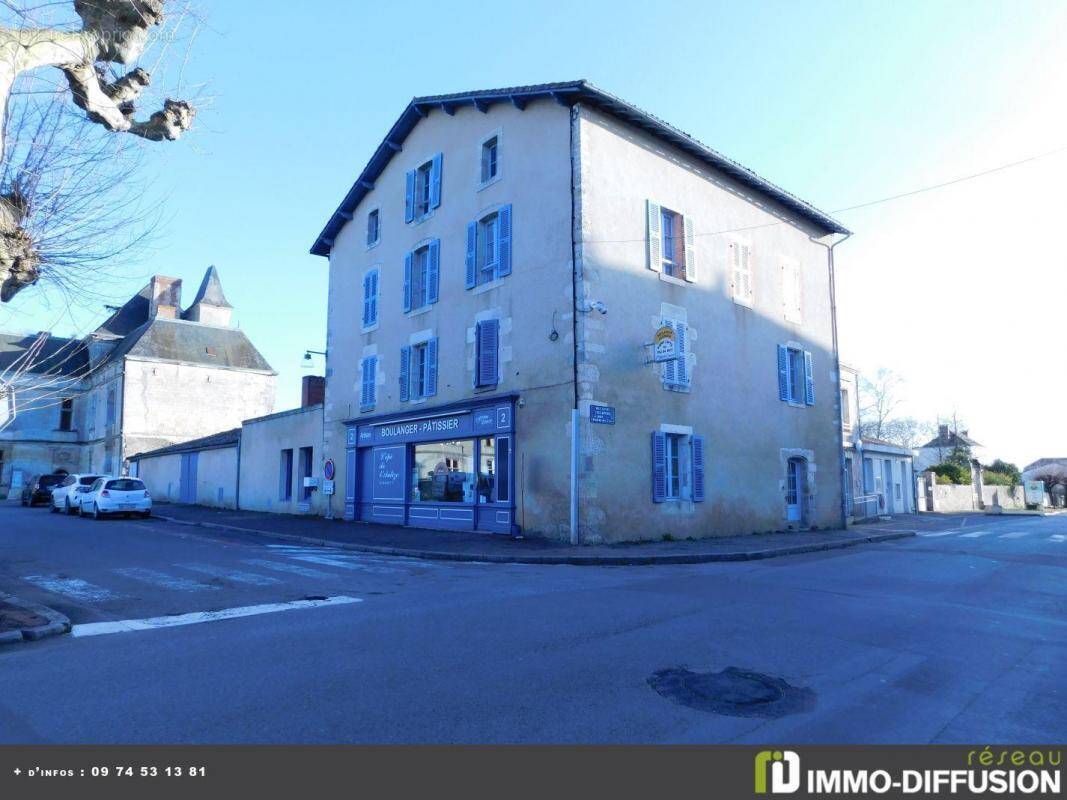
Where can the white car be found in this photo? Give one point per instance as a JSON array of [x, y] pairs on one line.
[[68, 495], [116, 496]]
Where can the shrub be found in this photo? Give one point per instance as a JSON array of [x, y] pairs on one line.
[[952, 473], [990, 478]]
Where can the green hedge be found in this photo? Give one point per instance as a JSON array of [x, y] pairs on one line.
[[952, 473]]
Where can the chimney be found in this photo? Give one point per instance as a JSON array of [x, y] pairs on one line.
[[942, 433], [312, 390], [165, 297]]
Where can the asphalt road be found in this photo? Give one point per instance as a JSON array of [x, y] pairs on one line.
[[956, 635]]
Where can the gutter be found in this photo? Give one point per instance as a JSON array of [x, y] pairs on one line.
[[575, 260]]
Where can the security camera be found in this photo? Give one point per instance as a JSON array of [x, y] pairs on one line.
[[596, 305]]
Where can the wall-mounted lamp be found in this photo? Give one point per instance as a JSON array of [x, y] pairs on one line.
[[596, 305]]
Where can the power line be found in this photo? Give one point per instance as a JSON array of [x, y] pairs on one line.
[[867, 204]]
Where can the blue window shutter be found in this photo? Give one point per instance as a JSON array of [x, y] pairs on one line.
[[698, 469], [370, 374], [374, 298], [487, 340], [433, 271], [783, 372], [655, 236], [435, 181], [659, 467], [690, 251], [409, 198], [366, 300], [431, 367], [363, 401], [472, 255], [407, 281], [809, 381], [405, 367], [503, 241]]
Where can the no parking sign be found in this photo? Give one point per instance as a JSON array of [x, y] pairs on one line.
[[328, 469]]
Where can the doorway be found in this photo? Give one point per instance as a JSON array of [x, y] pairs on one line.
[[795, 490]]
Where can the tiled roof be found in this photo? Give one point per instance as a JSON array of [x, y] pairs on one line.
[[57, 357], [215, 441], [568, 94]]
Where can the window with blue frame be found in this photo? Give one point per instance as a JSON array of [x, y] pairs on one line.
[[374, 227], [796, 383], [489, 241], [418, 370], [370, 298], [490, 154], [423, 191], [422, 276]]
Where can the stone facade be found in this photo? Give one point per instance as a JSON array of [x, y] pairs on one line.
[[133, 384]]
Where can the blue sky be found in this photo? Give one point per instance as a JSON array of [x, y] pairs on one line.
[[839, 102]]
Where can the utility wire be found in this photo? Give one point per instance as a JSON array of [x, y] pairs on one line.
[[867, 204]]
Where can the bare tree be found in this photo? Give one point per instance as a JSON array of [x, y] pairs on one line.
[[879, 400], [85, 48], [907, 432]]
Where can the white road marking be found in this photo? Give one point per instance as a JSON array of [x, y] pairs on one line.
[[72, 587], [368, 558], [1014, 535], [295, 569], [940, 533], [163, 579], [975, 534], [153, 623], [1057, 537], [335, 561], [231, 575]]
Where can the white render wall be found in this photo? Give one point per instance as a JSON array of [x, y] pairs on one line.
[[535, 180], [734, 395], [216, 477], [262, 442]]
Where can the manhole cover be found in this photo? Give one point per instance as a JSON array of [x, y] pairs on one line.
[[733, 692]]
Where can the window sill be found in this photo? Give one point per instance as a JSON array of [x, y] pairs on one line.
[[427, 216], [369, 328], [374, 245], [418, 312], [796, 404], [743, 301], [490, 388], [487, 286], [488, 183], [671, 279]]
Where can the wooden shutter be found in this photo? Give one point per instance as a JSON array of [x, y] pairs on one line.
[[435, 181], [363, 400], [503, 241], [431, 367], [783, 372], [405, 367], [809, 380], [659, 467], [488, 356], [655, 236], [690, 252], [409, 197], [366, 300], [472, 255], [433, 270], [408, 259], [374, 298], [681, 332], [698, 468], [670, 368]]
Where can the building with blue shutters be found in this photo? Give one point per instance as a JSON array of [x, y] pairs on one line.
[[510, 257]]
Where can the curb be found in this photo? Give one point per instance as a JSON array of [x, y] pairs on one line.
[[581, 561], [57, 623]]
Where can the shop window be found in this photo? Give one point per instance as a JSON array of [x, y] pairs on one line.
[[487, 473], [503, 469], [443, 472]]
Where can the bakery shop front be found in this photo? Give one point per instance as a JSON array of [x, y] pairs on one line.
[[450, 467]]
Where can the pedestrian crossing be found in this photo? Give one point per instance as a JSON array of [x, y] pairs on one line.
[[279, 564], [1031, 535]]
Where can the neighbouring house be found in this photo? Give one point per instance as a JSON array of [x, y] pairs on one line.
[[939, 448], [509, 256], [150, 376], [879, 477], [269, 463]]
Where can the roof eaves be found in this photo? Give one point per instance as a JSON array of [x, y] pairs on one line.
[[564, 93]]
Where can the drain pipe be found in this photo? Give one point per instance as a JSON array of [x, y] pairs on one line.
[[837, 369], [575, 413]]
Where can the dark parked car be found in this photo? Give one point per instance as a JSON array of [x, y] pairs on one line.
[[39, 489]]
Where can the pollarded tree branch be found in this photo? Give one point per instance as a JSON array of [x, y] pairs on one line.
[[113, 32]]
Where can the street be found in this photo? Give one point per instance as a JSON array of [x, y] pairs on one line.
[[956, 635]]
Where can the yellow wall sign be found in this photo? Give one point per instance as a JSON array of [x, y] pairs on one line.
[[664, 344]]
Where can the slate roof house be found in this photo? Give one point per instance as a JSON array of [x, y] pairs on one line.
[[940, 447], [498, 273], [131, 384]]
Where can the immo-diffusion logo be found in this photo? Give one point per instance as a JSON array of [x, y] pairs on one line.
[[784, 769]]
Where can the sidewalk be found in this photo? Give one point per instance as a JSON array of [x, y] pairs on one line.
[[465, 546]]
